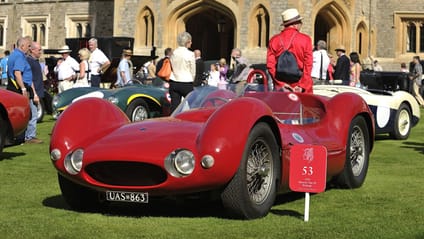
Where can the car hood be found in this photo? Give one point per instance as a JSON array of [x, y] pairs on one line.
[[148, 141]]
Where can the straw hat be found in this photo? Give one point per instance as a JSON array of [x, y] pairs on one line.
[[290, 16], [65, 49], [127, 52], [341, 48]]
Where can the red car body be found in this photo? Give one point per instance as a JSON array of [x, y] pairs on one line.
[[15, 114], [238, 146]]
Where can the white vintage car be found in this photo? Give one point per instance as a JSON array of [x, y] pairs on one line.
[[395, 112]]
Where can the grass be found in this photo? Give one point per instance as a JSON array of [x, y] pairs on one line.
[[388, 205]]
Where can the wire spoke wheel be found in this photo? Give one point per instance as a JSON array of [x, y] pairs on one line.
[[357, 150], [252, 191], [138, 110], [140, 113], [404, 123], [259, 172]]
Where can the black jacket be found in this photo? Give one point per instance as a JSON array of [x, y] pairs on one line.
[[200, 69], [342, 70]]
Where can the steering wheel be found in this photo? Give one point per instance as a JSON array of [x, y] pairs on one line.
[[214, 101], [258, 76]]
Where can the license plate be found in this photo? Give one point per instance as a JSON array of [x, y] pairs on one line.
[[119, 196]]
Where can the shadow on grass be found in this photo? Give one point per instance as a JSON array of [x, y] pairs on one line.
[[157, 208], [286, 198], [10, 155], [171, 207], [383, 137], [417, 146]]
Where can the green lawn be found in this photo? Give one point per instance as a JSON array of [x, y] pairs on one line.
[[389, 205]]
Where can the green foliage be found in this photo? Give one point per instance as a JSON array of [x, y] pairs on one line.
[[388, 205]]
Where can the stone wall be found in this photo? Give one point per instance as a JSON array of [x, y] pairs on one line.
[[56, 11]]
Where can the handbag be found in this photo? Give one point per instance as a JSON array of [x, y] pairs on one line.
[[165, 70]]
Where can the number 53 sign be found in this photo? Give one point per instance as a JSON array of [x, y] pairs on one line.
[[308, 168]]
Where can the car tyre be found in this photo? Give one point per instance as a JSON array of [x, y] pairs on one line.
[[137, 110], [252, 191], [402, 125], [79, 198], [357, 155]]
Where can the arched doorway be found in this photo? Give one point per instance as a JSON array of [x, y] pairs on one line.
[[322, 28], [212, 32], [333, 26]]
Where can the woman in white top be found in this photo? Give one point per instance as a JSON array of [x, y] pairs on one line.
[[82, 79], [183, 68]]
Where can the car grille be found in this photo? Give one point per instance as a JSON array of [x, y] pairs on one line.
[[126, 173]]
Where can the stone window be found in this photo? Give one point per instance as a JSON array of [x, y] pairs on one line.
[[410, 26], [35, 27], [260, 27], [2, 32], [145, 28], [78, 26]]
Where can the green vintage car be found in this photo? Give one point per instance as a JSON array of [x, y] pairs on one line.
[[138, 101]]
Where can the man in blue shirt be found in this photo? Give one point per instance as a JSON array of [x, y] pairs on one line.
[[19, 70], [20, 81], [3, 66]]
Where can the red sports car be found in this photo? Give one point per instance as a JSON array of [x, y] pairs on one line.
[[216, 141], [14, 118]]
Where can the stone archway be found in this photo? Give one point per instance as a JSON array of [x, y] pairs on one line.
[[213, 33], [211, 24], [332, 24]]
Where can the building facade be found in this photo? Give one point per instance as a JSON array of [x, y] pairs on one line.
[[387, 30]]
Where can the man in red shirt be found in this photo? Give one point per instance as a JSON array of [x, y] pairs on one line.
[[301, 47]]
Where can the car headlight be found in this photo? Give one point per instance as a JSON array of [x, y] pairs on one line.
[[55, 154], [180, 163], [113, 100], [73, 161]]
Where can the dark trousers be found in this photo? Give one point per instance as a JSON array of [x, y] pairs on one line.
[[178, 90], [95, 80]]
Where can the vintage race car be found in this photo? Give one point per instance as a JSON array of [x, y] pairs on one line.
[[14, 116], [395, 112], [234, 146], [138, 101]]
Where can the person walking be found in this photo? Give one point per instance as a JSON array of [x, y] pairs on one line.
[[416, 77], [299, 44], [342, 70], [320, 64], [98, 62], [38, 89], [183, 68]]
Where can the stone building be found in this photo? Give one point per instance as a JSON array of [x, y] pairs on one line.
[[389, 30]]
